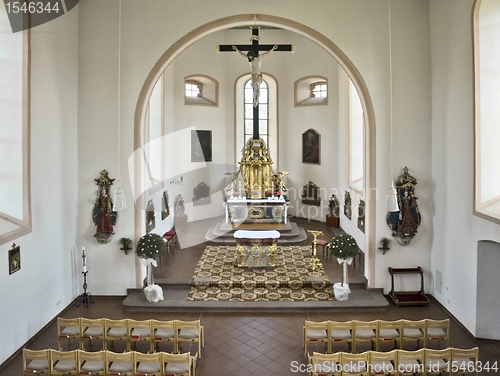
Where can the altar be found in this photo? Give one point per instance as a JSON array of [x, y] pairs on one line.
[[272, 211], [256, 248]]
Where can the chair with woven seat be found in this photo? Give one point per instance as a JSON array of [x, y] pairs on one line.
[[411, 362], [116, 330], [342, 332], [464, 360], [383, 363], [120, 364], [389, 331], [147, 364], [437, 361], [92, 363], [36, 362], [190, 331], [92, 329], [413, 331], [367, 331], [437, 330], [325, 364], [178, 364], [64, 363], [163, 331], [68, 329], [314, 332], [355, 364], [139, 330], [325, 244]]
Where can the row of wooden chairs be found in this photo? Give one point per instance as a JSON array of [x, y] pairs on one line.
[[107, 363], [396, 362], [131, 331], [377, 332]]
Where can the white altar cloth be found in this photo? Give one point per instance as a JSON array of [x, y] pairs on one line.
[[244, 234]]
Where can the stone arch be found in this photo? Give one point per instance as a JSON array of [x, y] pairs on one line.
[[333, 50]]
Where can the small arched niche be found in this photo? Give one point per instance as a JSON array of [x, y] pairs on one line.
[[311, 91], [207, 93]]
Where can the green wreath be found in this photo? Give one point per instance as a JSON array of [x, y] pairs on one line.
[[151, 246], [344, 246]]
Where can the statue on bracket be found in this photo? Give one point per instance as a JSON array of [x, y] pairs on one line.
[[361, 215], [347, 205], [103, 215], [404, 223], [150, 216]]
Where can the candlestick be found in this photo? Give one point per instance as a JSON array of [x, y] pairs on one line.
[[84, 261]]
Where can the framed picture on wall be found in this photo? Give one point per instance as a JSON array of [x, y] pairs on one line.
[[311, 147], [14, 259], [201, 146]]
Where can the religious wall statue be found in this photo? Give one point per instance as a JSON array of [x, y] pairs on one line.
[[347, 205], [103, 215], [333, 207], [404, 223], [361, 215], [179, 208], [150, 216]]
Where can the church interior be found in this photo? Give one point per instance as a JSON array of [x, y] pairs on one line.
[[262, 130]]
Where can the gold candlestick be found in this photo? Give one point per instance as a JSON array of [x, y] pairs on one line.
[[315, 263]]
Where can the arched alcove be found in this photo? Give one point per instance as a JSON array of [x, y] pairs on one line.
[[316, 37]]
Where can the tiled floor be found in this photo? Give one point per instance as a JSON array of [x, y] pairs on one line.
[[248, 344]]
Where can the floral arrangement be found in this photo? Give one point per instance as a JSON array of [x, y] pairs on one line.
[[151, 246], [344, 246]]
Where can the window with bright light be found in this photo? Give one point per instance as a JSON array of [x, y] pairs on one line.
[[201, 90], [263, 112], [319, 90], [193, 89], [487, 99]]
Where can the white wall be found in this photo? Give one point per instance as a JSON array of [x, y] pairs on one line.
[[50, 275], [456, 230]]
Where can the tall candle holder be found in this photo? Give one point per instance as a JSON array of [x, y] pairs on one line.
[[315, 263], [86, 297]]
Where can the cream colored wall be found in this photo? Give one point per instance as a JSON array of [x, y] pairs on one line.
[[50, 275], [456, 230]]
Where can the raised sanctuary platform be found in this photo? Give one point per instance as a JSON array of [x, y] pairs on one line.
[[223, 233]]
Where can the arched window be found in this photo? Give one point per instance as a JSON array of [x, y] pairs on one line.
[[487, 109], [268, 115], [263, 111]]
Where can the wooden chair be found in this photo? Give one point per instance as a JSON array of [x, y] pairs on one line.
[[120, 364], [464, 360], [92, 363], [413, 331], [190, 331], [437, 361], [342, 332], [139, 331], [325, 244], [314, 332], [383, 363], [92, 329], [116, 330], [437, 330], [366, 331], [326, 364], [411, 362], [355, 364], [148, 364], [163, 331], [171, 239], [64, 362], [36, 362], [68, 329], [389, 331], [178, 364]]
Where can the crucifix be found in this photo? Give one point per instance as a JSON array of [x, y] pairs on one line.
[[255, 61]]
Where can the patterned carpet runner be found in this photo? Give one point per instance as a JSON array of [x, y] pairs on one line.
[[218, 278]]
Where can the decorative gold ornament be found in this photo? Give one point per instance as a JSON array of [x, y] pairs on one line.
[[315, 263], [255, 167]]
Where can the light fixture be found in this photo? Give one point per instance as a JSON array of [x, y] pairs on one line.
[[392, 198], [119, 202]]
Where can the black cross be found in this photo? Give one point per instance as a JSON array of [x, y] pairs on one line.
[[256, 47]]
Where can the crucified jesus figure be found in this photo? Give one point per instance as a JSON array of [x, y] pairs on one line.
[[255, 60]]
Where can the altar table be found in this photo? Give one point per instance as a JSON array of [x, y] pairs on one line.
[[256, 248]]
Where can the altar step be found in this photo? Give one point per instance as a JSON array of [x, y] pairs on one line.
[[223, 234], [175, 293]]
